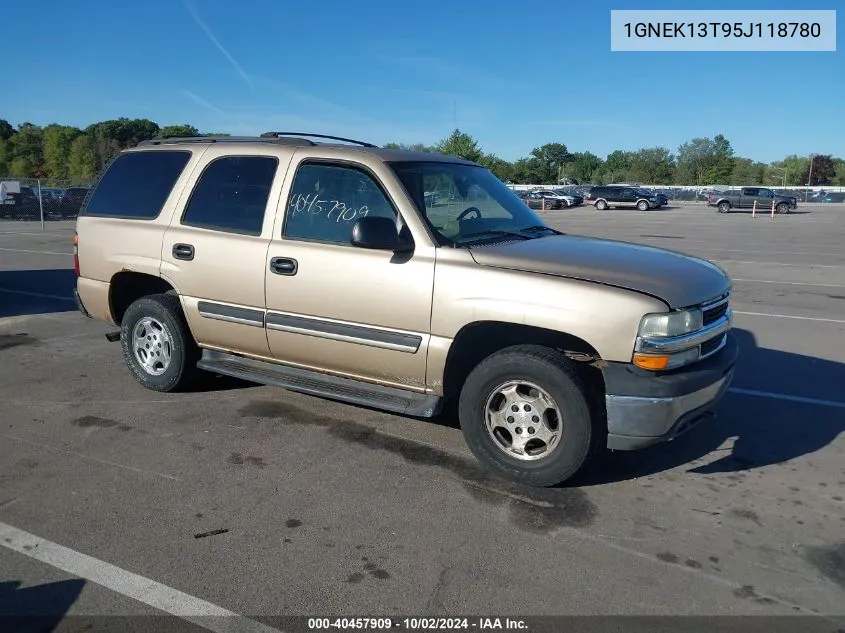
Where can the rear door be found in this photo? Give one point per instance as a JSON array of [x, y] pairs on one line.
[[764, 199], [629, 197], [748, 195], [215, 251]]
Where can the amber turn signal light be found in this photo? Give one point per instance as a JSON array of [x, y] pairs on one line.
[[652, 363]]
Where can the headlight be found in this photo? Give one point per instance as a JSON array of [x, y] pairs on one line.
[[671, 323]]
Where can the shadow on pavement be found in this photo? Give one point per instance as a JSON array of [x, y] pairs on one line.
[[40, 608], [766, 431], [37, 291]]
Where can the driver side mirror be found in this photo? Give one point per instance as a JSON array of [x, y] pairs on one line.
[[379, 234]]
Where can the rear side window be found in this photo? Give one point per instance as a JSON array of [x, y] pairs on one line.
[[231, 195], [137, 184]]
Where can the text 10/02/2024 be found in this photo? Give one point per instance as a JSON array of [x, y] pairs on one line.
[[420, 623]]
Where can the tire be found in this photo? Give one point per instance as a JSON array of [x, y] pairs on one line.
[[554, 374], [642, 205], [782, 208], [159, 319], [724, 207], [601, 205]]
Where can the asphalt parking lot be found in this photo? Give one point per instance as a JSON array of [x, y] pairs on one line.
[[333, 509]]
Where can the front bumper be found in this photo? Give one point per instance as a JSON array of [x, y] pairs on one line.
[[645, 408]]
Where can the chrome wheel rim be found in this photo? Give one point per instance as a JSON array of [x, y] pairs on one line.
[[523, 420], [152, 346]]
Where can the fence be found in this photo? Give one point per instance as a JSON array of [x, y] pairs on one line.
[[44, 200]]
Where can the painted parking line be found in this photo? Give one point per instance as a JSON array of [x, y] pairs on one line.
[[22, 250], [91, 458], [789, 283], [39, 295], [708, 246], [783, 396], [736, 261], [789, 316], [126, 583], [62, 232]]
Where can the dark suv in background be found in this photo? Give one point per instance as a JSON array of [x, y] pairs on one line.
[[604, 197], [71, 201]]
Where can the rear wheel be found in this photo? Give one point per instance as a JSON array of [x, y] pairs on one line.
[[724, 207], [601, 205], [157, 345], [525, 415]]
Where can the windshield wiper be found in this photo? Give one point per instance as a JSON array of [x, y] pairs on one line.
[[539, 227], [491, 233]]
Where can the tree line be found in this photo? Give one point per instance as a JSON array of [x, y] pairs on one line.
[[62, 152], [698, 162]]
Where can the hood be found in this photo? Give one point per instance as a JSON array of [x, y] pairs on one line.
[[679, 280]]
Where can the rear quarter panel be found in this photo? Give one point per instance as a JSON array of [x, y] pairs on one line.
[[110, 245]]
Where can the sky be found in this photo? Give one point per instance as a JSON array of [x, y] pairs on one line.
[[514, 75]]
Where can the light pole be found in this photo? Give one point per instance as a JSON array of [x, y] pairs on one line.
[[809, 179], [783, 178]]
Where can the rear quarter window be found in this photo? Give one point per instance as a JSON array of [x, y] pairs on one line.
[[136, 185]]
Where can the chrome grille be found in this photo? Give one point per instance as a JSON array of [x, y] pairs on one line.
[[712, 346], [715, 310]]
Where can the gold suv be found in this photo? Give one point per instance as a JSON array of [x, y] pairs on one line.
[[399, 280]]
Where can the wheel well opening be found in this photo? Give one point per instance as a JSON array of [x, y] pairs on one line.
[[128, 287], [477, 341]]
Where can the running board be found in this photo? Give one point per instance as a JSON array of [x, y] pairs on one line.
[[323, 385]]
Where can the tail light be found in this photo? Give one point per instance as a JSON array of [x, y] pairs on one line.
[[76, 253]]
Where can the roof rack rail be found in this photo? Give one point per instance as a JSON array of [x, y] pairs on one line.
[[327, 136], [165, 140]]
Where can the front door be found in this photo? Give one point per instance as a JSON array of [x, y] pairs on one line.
[[338, 308], [215, 253]]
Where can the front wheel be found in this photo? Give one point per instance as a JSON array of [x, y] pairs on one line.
[[601, 205], [782, 208], [724, 207], [642, 205], [157, 345], [525, 415]]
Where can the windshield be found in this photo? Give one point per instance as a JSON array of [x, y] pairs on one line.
[[464, 204]]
